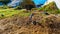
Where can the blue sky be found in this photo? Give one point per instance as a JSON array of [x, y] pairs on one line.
[[38, 2]]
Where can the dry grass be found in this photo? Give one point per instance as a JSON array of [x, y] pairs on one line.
[[45, 24]]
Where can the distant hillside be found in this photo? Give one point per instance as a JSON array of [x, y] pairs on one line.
[[51, 8]]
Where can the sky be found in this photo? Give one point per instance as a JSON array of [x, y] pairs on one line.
[[38, 2], [57, 3], [15, 3]]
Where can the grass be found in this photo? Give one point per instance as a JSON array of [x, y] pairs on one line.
[[11, 12]]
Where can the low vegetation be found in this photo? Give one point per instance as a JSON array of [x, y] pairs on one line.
[[15, 21], [50, 8]]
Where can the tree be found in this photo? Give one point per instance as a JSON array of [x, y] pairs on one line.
[[5, 1], [28, 4]]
